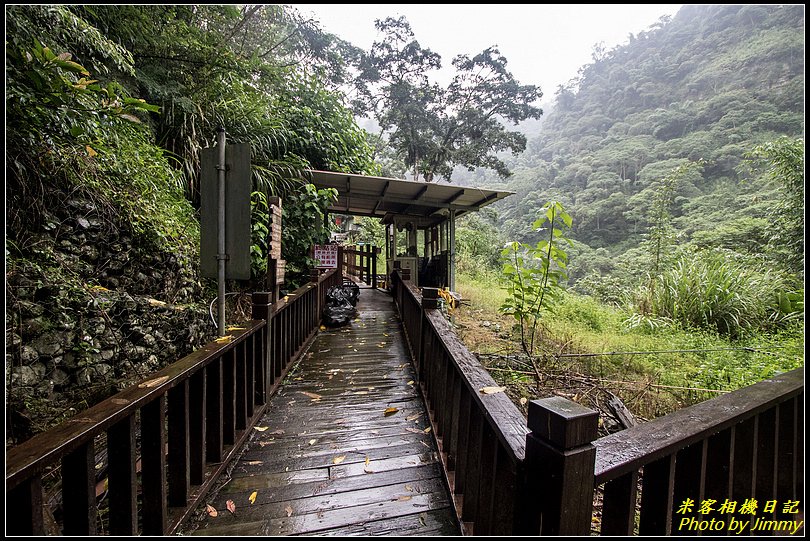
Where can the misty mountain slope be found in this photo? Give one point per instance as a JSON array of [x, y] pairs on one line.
[[708, 85]]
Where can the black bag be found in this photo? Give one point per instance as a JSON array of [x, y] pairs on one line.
[[339, 309]]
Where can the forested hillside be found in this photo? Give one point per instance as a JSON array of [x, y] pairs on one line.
[[704, 88]]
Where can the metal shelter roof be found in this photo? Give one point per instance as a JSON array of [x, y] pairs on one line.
[[381, 197]]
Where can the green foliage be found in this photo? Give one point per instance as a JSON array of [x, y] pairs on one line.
[[534, 274], [433, 129], [302, 226], [259, 234], [477, 242], [714, 290], [784, 159]]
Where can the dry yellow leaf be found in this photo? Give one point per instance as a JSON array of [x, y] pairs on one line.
[[426, 430], [404, 498], [492, 390], [313, 396], [390, 411], [224, 339], [234, 328], [312, 442], [255, 463], [367, 460], [523, 401], [154, 382], [323, 327], [409, 488], [212, 512], [413, 417], [338, 459], [288, 510], [252, 498], [411, 382], [260, 428], [90, 152]]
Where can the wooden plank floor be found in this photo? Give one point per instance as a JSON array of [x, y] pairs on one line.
[[330, 461]]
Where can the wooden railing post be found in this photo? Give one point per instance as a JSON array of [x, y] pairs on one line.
[[262, 304], [560, 465], [374, 252]]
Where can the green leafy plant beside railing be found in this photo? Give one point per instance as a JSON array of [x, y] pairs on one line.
[[535, 274]]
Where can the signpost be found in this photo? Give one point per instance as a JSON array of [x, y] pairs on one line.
[[225, 216]]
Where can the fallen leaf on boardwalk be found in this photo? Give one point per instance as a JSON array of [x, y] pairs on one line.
[[288, 510], [356, 370], [492, 390], [231, 506], [279, 431], [380, 345], [261, 428], [426, 430], [338, 459], [223, 339], [312, 442], [313, 396], [212, 512], [361, 392], [263, 443], [404, 498], [400, 367], [253, 497], [323, 327], [234, 328], [390, 411], [413, 417], [413, 430], [153, 382], [385, 334], [409, 488], [523, 401], [371, 388], [367, 460], [411, 382], [422, 519], [255, 463], [120, 401]]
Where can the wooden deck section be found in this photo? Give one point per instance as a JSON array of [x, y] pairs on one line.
[[330, 461]]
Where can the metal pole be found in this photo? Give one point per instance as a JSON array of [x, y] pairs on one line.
[[221, 256]]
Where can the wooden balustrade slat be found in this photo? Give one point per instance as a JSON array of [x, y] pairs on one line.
[[463, 453], [619, 505], [122, 478], [719, 475], [486, 489], [765, 488], [215, 437], [179, 472], [197, 426], [241, 388], [657, 502], [786, 452], [153, 466], [451, 439], [472, 468], [229, 398], [79, 484], [24, 508], [745, 464], [690, 474], [250, 368]]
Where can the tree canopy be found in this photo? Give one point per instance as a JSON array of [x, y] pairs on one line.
[[432, 128]]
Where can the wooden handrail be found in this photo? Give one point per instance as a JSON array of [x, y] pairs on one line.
[[629, 450], [31, 456]]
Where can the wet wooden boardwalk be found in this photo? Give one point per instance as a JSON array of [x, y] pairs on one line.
[[332, 460]]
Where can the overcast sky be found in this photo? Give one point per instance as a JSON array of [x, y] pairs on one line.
[[544, 44]]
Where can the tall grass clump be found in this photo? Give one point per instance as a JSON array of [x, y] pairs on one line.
[[711, 290]]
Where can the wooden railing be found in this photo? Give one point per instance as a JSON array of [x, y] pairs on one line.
[[510, 478], [178, 429], [481, 436], [361, 262], [744, 445]]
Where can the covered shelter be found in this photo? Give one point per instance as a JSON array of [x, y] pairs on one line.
[[410, 210]]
